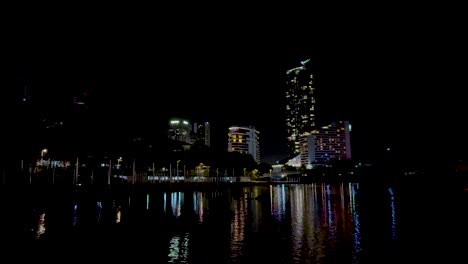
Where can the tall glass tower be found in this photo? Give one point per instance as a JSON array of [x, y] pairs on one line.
[[300, 104]]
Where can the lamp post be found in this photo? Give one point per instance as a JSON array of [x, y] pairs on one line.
[[119, 166], [43, 152], [177, 168]]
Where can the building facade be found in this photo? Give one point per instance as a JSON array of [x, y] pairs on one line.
[[202, 132], [325, 144], [244, 140], [300, 105], [183, 132], [180, 130]]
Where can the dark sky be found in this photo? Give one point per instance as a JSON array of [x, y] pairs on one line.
[[392, 72]]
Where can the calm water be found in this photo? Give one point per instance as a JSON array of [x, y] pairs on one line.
[[295, 223]]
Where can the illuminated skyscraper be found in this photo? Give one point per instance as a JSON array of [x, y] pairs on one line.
[[244, 140], [180, 130], [300, 104], [201, 131], [325, 144], [185, 135]]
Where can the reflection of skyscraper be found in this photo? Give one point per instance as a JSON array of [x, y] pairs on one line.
[[300, 104], [238, 223], [278, 201], [199, 205], [179, 248]]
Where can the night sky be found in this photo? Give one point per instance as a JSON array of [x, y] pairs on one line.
[[392, 73]]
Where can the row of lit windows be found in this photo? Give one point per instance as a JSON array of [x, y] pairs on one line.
[[240, 141], [239, 149]]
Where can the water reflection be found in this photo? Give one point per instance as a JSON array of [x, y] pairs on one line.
[[176, 201], [147, 201], [118, 215], [41, 227], [75, 214], [355, 219], [319, 227], [98, 211], [200, 204], [392, 207], [278, 201], [238, 222], [316, 223], [178, 248]]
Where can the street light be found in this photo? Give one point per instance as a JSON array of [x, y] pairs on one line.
[[177, 168], [43, 152], [119, 166]]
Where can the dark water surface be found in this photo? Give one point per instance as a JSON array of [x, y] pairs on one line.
[[292, 223]]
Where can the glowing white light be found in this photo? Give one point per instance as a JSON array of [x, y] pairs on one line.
[[185, 122], [147, 201], [118, 216], [304, 62], [175, 122], [41, 228]]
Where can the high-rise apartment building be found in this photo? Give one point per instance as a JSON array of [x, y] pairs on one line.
[[201, 131], [180, 130], [183, 132], [300, 104], [244, 140], [324, 144]]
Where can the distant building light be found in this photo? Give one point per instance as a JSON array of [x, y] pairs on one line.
[[175, 122], [349, 127]]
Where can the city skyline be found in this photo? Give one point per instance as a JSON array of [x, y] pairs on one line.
[[329, 107], [387, 83]]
